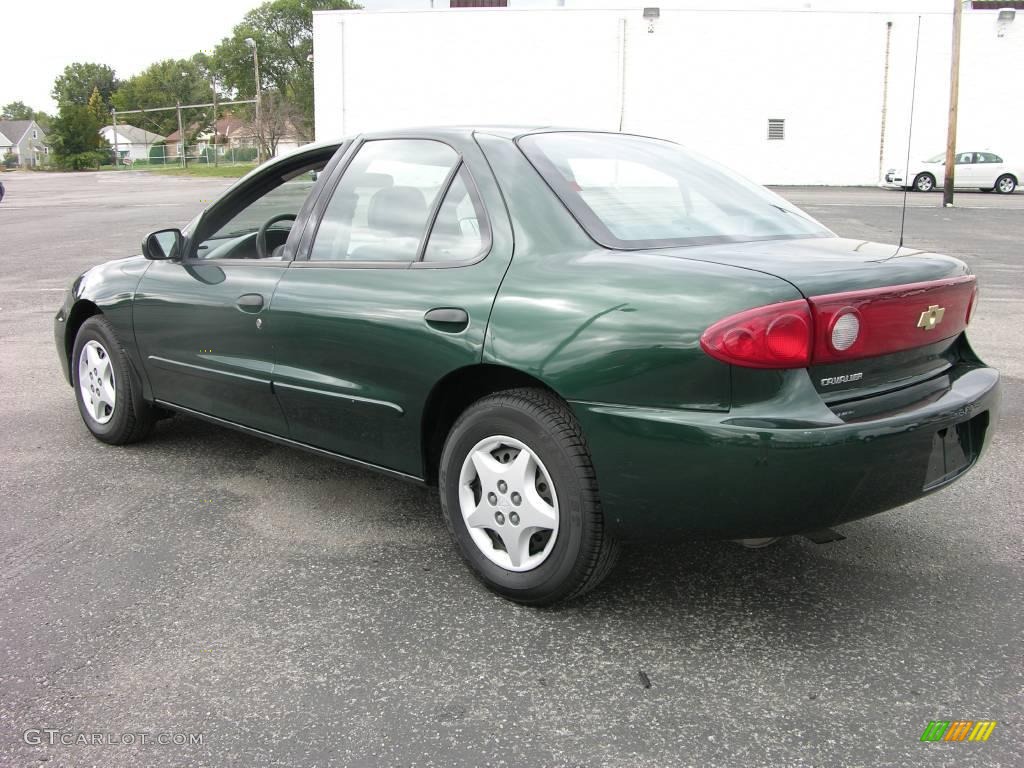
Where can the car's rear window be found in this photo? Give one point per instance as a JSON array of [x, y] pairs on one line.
[[632, 192]]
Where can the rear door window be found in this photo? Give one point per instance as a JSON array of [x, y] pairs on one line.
[[460, 230]]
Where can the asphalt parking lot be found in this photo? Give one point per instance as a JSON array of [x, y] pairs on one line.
[[293, 611]]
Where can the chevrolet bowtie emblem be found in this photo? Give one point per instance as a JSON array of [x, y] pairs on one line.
[[931, 317]]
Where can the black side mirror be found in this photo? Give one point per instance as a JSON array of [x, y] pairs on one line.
[[162, 245]]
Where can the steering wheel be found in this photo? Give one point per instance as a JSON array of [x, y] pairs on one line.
[[261, 234]]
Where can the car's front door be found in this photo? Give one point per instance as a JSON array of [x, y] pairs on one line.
[[393, 294], [966, 172], [198, 319]]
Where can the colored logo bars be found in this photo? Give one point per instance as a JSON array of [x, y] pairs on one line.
[[958, 730]]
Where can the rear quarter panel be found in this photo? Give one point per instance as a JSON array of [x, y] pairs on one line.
[[608, 326]]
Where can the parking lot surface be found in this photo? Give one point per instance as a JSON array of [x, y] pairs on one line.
[[288, 610]]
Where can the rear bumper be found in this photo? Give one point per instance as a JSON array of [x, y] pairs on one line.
[[665, 469]]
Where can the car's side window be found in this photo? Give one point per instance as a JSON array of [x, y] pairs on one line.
[[277, 208], [965, 158], [988, 157], [459, 231], [381, 208]]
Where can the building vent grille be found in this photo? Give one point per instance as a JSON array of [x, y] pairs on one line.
[[776, 129]]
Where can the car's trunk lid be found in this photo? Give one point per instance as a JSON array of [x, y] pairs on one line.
[[911, 306]]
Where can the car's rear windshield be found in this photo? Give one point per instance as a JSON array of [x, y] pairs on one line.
[[631, 192]]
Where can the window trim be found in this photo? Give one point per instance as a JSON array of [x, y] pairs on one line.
[[304, 252], [486, 241]]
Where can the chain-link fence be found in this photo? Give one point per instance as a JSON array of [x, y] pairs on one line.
[[172, 154]]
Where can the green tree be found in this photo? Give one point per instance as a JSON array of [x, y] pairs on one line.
[[283, 33], [17, 110], [75, 140], [165, 84], [79, 80], [96, 107]]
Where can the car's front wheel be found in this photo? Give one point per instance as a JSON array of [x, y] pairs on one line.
[[111, 406], [924, 182], [1006, 184], [520, 498]]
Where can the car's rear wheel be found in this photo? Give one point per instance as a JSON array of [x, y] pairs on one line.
[[1006, 184], [520, 498], [108, 400], [924, 182]]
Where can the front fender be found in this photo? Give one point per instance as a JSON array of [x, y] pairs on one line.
[[107, 289]]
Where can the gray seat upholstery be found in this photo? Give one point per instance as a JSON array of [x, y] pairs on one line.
[[400, 215]]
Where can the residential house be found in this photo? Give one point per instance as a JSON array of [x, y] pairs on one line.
[[232, 133], [23, 138], [130, 142]]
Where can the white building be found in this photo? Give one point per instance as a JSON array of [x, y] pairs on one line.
[[131, 143], [785, 92]]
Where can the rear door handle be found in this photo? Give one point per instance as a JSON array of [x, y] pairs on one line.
[[250, 302], [450, 319]]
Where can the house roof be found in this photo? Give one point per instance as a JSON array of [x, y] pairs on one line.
[[135, 135], [4, 141], [15, 130], [228, 127]]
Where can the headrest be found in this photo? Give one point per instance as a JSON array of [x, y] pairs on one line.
[[402, 211]]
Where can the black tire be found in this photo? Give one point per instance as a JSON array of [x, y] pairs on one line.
[[924, 182], [583, 552], [132, 417], [1006, 184]]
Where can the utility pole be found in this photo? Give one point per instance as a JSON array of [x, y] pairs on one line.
[[113, 127], [181, 134], [259, 99], [954, 95], [215, 159], [885, 99]]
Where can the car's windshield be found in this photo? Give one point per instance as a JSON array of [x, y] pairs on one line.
[[939, 158], [632, 192]]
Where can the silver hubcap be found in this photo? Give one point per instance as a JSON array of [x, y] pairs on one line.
[[1006, 185], [924, 183], [508, 503], [96, 382]]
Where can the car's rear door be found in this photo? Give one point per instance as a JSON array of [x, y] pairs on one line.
[[198, 320], [990, 167], [391, 292]]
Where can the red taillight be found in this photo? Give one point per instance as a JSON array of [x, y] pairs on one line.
[[972, 305], [843, 326], [775, 336], [893, 318]]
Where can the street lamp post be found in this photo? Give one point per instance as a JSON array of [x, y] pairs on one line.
[[259, 99]]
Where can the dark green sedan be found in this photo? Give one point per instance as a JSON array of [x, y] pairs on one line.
[[577, 336]]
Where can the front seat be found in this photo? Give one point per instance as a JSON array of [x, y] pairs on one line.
[[396, 215]]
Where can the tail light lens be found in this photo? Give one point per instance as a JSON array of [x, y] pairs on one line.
[[972, 304], [843, 326], [775, 336]]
